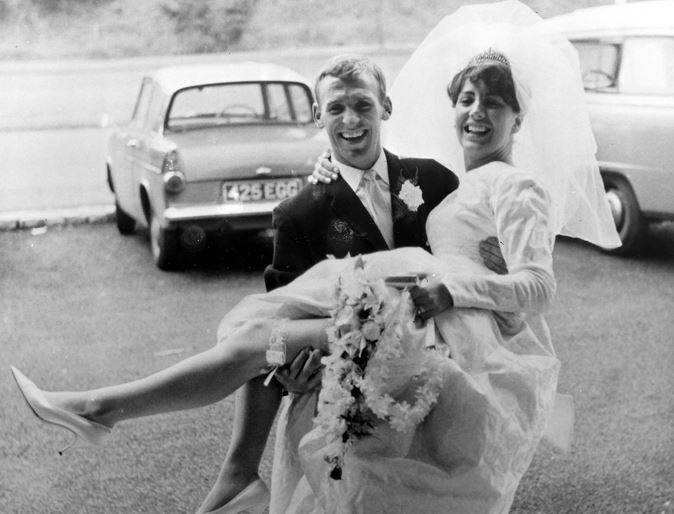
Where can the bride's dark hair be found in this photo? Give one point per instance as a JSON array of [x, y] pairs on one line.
[[496, 75]]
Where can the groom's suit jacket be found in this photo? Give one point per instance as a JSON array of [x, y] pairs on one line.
[[329, 219]]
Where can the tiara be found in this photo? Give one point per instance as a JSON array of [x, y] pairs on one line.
[[489, 55]]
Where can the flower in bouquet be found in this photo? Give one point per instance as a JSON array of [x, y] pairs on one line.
[[365, 338]]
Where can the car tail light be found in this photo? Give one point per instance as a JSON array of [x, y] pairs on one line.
[[174, 178]]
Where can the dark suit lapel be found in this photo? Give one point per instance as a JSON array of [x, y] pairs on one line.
[[347, 206], [405, 226]]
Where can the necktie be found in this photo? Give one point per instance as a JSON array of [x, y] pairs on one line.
[[375, 195]]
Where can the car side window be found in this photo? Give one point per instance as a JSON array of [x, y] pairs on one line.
[[280, 108], [301, 101], [648, 66], [143, 102], [288, 103], [598, 63], [155, 118]]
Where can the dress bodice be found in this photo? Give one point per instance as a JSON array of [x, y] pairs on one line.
[[458, 224], [497, 200]]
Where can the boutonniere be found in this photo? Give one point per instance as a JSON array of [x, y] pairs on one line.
[[411, 195], [408, 193]]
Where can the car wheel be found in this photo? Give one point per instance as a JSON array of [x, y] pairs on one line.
[[630, 223], [165, 246], [125, 223]]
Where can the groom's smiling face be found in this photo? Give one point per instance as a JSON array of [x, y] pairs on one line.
[[351, 111]]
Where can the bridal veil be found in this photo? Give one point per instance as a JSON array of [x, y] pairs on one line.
[[555, 142]]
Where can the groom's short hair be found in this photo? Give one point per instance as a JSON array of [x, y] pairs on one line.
[[349, 67]]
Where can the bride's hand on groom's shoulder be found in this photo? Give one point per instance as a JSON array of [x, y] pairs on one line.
[[324, 170], [303, 374]]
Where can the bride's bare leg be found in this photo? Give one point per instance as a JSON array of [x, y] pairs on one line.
[[256, 407], [200, 380]]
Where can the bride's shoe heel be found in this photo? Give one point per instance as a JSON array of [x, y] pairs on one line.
[[86, 431], [254, 499], [76, 442]]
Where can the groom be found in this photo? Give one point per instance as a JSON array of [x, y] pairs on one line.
[[379, 201]]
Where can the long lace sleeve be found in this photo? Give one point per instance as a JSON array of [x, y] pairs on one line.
[[521, 214]]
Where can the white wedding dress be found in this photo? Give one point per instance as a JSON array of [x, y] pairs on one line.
[[500, 377]]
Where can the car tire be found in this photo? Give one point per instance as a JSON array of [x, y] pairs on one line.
[[165, 246], [630, 222], [125, 223]]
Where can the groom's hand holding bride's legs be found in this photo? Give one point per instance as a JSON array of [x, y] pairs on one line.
[[303, 374]]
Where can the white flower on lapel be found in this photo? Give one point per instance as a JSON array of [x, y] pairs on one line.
[[411, 195]]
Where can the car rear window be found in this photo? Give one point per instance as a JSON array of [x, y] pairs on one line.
[[240, 104]]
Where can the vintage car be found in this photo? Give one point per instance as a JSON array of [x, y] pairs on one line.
[[210, 150], [627, 61]]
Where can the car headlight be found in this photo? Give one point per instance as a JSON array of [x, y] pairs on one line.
[[174, 178]]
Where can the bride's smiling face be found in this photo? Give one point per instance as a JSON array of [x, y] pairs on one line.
[[485, 125]]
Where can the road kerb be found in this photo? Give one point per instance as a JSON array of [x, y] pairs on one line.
[[89, 214]]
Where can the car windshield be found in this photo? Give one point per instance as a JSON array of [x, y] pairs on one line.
[[240, 104]]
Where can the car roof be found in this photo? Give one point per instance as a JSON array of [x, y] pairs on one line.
[[173, 78], [638, 18]]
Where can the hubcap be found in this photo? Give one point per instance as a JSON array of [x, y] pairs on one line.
[[617, 208]]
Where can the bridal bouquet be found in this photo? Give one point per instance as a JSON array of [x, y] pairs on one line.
[[370, 344]]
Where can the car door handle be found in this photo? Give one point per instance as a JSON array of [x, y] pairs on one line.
[[132, 143]]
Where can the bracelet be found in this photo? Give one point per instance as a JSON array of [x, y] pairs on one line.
[[276, 354]]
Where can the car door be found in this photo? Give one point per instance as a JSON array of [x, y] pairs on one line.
[[127, 177], [629, 83], [150, 151], [599, 62], [645, 137]]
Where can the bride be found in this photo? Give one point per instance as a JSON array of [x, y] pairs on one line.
[[490, 80], [524, 138]]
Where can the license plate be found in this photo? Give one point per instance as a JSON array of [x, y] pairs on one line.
[[260, 190]]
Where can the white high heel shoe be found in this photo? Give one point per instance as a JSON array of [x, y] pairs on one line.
[[254, 499], [89, 431]]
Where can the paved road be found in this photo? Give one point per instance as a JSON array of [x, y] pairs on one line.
[[47, 169], [51, 139], [83, 306]]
